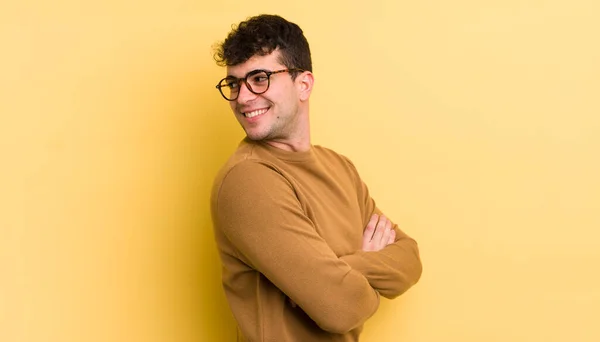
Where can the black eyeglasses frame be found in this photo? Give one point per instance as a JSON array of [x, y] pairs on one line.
[[239, 81]]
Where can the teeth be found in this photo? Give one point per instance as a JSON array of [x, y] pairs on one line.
[[255, 113]]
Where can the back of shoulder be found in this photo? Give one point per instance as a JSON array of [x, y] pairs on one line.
[[243, 153], [244, 167]]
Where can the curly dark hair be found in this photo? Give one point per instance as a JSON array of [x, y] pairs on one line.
[[261, 35]]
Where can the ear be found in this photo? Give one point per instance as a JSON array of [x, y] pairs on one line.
[[305, 82]]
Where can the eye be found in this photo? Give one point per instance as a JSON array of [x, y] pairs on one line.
[[231, 84], [261, 78]]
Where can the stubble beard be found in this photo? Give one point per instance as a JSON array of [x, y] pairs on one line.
[[274, 131], [280, 129]]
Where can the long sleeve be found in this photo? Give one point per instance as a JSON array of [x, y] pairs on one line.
[[257, 210], [392, 270]]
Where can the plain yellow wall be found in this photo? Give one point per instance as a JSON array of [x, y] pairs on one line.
[[476, 125]]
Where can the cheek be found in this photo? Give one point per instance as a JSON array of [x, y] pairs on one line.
[[283, 98]]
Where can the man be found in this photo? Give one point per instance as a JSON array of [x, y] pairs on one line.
[[306, 254]]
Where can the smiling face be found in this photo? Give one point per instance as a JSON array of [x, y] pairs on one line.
[[277, 114]]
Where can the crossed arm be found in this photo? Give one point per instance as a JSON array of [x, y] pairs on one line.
[[339, 294], [285, 247], [393, 268], [389, 258]]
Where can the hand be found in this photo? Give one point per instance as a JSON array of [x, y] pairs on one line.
[[378, 234]]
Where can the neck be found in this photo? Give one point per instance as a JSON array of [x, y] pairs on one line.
[[291, 146], [298, 140]]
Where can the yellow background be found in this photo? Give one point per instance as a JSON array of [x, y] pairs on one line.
[[476, 125]]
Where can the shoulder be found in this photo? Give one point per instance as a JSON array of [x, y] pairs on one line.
[[246, 155], [247, 171], [248, 186]]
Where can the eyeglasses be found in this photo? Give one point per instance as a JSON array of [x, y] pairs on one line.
[[257, 81]]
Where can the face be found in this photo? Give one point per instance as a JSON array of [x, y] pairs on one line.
[[274, 114]]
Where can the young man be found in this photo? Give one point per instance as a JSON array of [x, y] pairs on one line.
[[306, 253]]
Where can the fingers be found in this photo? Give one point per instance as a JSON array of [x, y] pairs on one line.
[[378, 234], [391, 236], [369, 231]]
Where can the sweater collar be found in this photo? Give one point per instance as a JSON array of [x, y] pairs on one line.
[[283, 154]]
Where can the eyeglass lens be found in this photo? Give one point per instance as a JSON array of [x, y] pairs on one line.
[[257, 83]]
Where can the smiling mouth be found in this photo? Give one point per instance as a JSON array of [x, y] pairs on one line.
[[255, 112]]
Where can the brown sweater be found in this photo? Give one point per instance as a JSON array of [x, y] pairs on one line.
[[288, 227]]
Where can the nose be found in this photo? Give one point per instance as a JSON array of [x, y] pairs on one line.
[[245, 94]]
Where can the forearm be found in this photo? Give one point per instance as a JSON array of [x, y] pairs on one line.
[[339, 308], [392, 270]]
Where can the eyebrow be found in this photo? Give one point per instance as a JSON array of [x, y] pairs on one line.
[[251, 71]]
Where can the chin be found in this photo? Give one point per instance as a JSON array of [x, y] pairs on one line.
[[256, 136]]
